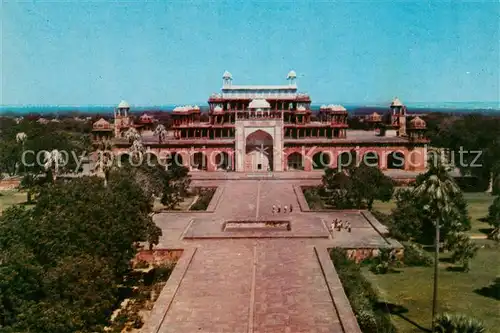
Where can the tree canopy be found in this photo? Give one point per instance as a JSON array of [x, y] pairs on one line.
[[417, 211], [494, 218], [356, 187], [478, 137], [62, 260]]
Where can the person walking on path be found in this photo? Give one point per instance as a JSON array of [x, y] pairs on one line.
[[279, 208], [291, 208], [274, 209], [285, 208]]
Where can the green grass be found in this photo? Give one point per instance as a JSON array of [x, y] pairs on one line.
[[182, 206], [384, 207], [411, 288], [11, 197], [478, 204]]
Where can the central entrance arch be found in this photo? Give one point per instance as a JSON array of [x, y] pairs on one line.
[[259, 151]]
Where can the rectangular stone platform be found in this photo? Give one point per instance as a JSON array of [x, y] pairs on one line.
[[297, 227], [264, 226]]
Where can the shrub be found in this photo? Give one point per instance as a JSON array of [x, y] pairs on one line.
[[415, 255], [463, 249], [453, 323], [384, 262], [313, 197], [382, 217], [362, 297]]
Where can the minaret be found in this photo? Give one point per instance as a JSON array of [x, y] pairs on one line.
[[398, 115], [291, 77], [122, 117], [226, 79]]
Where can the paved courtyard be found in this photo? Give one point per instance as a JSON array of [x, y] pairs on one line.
[[260, 281]]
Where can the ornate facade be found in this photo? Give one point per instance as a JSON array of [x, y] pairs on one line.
[[252, 128]]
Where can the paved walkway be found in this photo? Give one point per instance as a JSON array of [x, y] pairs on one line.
[[244, 281], [290, 175]]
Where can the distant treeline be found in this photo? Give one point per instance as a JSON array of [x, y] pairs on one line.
[[158, 112]]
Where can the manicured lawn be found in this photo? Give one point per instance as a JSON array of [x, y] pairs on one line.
[[183, 205], [198, 199], [11, 197], [478, 209], [384, 207], [411, 288], [478, 204]]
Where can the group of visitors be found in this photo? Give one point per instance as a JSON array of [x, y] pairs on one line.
[[277, 209], [339, 225]]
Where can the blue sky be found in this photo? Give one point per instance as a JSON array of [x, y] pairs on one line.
[[175, 52]]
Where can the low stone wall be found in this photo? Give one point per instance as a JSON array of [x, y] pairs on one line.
[[9, 184], [167, 294], [304, 206], [158, 256], [361, 254], [337, 293], [404, 181]]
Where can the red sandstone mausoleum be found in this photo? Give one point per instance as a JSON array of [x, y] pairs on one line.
[[253, 128]]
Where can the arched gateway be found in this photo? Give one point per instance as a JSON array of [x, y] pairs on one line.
[[259, 151]]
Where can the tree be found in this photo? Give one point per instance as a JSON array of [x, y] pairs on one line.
[[132, 135], [463, 249], [104, 160], [408, 218], [31, 184], [412, 219], [439, 187], [494, 219], [52, 162], [467, 136], [21, 137], [384, 262], [62, 260], [161, 132], [175, 186], [10, 153], [137, 150], [357, 187], [39, 142]]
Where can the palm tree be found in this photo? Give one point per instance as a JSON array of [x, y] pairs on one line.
[[136, 149], [439, 187], [494, 219], [450, 323], [161, 132], [21, 138], [52, 162], [494, 181], [131, 134], [105, 161]]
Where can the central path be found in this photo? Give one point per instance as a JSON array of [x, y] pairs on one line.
[[254, 287], [259, 285], [258, 200]]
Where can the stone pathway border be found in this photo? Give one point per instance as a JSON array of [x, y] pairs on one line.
[[337, 294], [167, 294]]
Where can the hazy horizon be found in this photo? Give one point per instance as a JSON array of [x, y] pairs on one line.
[[459, 107]]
